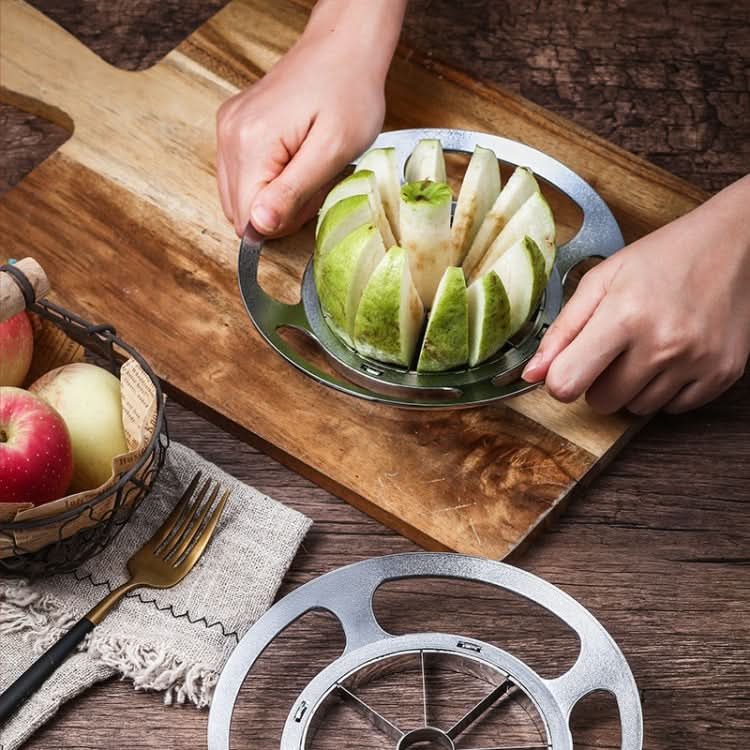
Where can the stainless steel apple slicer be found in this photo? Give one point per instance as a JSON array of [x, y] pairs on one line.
[[499, 377], [509, 690]]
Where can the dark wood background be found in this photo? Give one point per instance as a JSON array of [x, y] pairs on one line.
[[659, 547]]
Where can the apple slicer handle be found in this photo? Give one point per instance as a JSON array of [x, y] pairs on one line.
[[21, 284]]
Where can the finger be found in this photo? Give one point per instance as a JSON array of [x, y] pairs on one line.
[[309, 210], [620, 383], [277, 206], [568, 324], [656, 394], [693, 395], [587, 356], [223, 183]]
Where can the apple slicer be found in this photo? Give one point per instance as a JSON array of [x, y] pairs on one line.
[[498, 378], [504, 691]]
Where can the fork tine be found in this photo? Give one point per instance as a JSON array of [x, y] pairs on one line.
[[180, 543], [169, 522], [174, 537], [204, 537]]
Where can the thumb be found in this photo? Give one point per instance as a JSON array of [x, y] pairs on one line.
[[568, 324], [278, 207]]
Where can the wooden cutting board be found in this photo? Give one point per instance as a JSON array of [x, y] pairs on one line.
[[126, 220]]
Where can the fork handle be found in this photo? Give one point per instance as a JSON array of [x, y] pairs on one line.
[[43, 668]]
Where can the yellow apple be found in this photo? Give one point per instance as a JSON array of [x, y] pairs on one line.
[[90, 402]]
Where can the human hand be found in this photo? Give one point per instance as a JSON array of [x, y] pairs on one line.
[[283, 139], [662, 324]]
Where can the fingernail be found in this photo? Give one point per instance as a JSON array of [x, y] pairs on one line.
[[265, 219], [534, 363]]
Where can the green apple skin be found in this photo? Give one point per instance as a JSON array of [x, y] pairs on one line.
[[340, 220], [344, 275], [426, 234], [533, 219], [446, 340], [519, 188], [479, 191], [521, 269], [361, 182], [390, 314], [427, 162], [384, 164], [489, 318], [90, 402]]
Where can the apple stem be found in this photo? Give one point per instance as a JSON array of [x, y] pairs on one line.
[[3, 436]]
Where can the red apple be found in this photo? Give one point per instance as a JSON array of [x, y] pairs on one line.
[[16, 349], [36, 456]]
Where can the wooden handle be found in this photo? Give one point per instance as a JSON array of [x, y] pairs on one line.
[[12, 299]]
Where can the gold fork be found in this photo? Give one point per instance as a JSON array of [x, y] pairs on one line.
[[163, 561]]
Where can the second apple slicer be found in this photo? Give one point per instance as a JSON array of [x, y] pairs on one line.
[[499, 377], [422, 690]]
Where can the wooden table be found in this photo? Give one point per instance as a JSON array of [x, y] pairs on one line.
[[658, 547]]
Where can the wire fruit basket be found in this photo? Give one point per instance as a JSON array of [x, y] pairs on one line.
[[78, 533]]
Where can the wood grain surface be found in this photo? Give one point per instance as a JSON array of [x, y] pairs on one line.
[[138, 175], [657, 547]]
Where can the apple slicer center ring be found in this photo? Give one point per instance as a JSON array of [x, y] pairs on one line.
[[499, 377], [372, 653]]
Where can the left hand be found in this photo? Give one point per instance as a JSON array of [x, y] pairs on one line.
[[662, 324]]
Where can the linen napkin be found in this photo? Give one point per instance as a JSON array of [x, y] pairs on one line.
[[174, 640]]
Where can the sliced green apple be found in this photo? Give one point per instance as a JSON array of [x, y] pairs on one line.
[[361, 182], [390, 313], [344, 274], [534, 219], [521, 269], [426, 233], [519, 188], [446, 340], [383, 162], [340, 220], [427, 162], [489, 317], [479, 190]]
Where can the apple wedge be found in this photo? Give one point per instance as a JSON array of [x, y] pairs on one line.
[[426, 162], [519, 188], [340, 220], [361, 182], [534, 219], [521, 270], [390, 314], [479, 191], [344, 274], [446, 340], [382, 162], [426, 233], [489, 317]]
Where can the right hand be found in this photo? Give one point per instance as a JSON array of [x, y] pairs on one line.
[[281, 141]]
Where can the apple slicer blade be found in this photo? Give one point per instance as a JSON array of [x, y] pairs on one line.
[[498, 378], [504, 704]]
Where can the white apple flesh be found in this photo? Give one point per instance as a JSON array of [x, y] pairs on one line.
[[16, 349], [426, 233], [89, 400], [519, 188], [36, 456], [533, 219], [383, 163], [479, 190], [427, 162]]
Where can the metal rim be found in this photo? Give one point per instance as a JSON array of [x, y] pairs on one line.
[[599, 235]]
